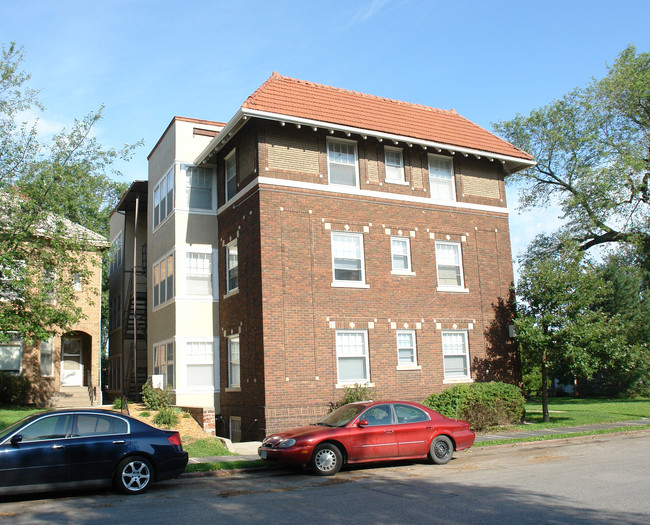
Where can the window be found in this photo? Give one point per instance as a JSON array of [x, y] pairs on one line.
[[394, 165], [115, 312], [377, 415], [352, 356], [449, 266], [11, 354], [406, 354], [409, 414], [233, 362], [232, 267], [12, 280], [347, 258], [163, 281], [199, 188], [198, 273], [46, 358], [163, 363], [235, 429], [163, 198], [342, 162], [455, 355], [400, 251], [116, 253], [50, 427], [441, 178], [199, 357], [76, 282], [231, 175], [49, 285], [98, 425]]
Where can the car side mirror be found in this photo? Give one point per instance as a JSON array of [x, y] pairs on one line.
[[16, 439], [363, 423]]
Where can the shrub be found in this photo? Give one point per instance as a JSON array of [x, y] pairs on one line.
[[352, 394], [13, 389], [155, 398], [166, 417], [118, 405], [483, 405]]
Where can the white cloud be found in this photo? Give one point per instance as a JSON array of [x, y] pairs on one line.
[[44, 128], [367, 11]]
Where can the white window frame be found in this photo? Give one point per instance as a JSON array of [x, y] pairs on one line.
[[449, 182], [455, 378], [413, 363], [346, 283], [228, 177], [445, 287], [157, 278], [77, 284], [341, 383], [234, 289], [117, 252], [199, 353], [401, 271], [162, 366], [12, 276], [14, 343], [331, 162], [396, 171], [232, 364], [195, 270], [209, 176], [165, 184], [47, 348]]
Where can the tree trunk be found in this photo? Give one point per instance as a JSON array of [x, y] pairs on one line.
[[545, 416]]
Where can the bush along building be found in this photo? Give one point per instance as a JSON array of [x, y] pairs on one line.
[[323, 238]]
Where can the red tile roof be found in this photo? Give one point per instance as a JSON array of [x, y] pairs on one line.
[[298, 98]]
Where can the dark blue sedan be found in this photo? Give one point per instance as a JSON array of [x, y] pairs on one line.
[[86, 447]]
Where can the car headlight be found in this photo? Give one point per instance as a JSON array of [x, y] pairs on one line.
[[287, 443]]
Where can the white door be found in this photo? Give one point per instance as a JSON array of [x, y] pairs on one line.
[[71, 364]]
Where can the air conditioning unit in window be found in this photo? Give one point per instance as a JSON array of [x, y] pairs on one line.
[[157, 381]]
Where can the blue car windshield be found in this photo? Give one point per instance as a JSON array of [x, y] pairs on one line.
[[342, 415], [12, 428]]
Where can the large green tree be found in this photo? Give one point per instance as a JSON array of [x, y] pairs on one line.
[[46, 187], [592, 148]]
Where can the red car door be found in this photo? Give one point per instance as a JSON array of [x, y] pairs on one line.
[[413, 430], [377, 439]]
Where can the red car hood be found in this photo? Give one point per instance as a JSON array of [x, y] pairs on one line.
[[300, 432]]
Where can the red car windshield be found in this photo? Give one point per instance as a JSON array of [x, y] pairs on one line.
[[342, 415]]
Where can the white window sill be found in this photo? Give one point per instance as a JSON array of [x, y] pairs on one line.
[[402, 272], [348, 385], [408, 367], [400, 182], [457, 380], [452, 289], [349, 284], [233, 389], [232, 292]]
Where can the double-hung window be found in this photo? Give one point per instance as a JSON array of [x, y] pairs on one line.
[[231, 175], [347, 259], [455, 355], [116, 253], [406, 352], [12, 278], [198, 273], [342, 162], [163, 280], [163, 363], [163, 198], [199, 357], [46, 358], [232, 267], [11, 355], [352, 356], [394, 163], [441, 178], [400, 251], [449, 266], [234, 379], [199, 188]]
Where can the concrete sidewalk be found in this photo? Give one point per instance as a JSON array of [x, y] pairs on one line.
[[248, 451]]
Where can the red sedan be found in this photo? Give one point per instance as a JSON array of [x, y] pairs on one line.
[[370, 431]]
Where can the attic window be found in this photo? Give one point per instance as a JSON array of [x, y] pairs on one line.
[[342, 162]]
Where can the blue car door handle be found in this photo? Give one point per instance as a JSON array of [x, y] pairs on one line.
[[57, 447], [119, 442]]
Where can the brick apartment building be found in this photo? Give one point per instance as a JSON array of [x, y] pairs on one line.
[[324, 238]]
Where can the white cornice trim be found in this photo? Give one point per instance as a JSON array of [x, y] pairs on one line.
[[269, 181]]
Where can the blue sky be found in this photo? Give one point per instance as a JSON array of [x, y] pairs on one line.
[[150, 60]]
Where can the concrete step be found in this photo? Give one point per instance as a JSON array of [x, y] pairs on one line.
[[71, 397]]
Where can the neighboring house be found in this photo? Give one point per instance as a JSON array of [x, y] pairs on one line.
[[65, 371], [324, 238], [127, 326]]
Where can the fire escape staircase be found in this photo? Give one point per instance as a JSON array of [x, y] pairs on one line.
[[134, 322]]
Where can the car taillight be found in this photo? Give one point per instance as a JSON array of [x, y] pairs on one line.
[[175, 439]]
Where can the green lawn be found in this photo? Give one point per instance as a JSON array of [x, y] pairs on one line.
[[11, 415], [204, 448], [567, 411]]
